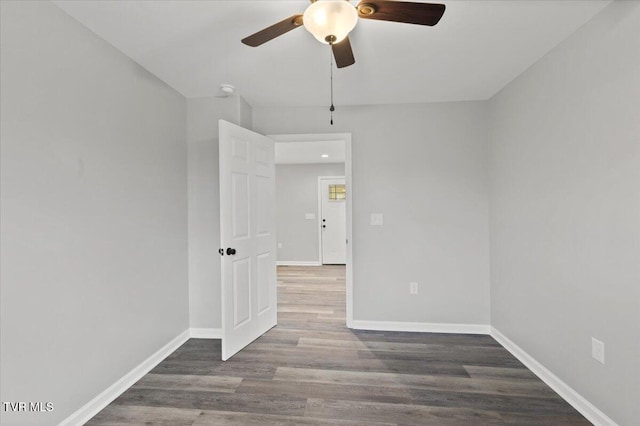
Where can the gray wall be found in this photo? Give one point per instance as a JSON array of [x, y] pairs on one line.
[[245, 114], [204, 207], [204, 203], [424, 167], [297, 194], [565, 228], [94, 212]]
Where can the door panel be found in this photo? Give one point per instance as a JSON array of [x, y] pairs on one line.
[[333, 223], [247, 224], [241, 291], [240, 205], [263, 219], [265, 262]]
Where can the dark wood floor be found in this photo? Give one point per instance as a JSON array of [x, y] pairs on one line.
[[312, 370]]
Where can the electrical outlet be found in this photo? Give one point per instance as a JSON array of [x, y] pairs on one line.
[[597, 350], [413, 288], [279, 245]]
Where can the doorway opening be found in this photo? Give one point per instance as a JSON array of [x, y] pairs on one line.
[[314, 215]]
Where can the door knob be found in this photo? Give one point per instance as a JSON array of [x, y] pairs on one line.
[[324, 226], [231, 251]]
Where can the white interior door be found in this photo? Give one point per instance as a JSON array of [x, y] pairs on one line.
[[247, 236], [333, 222]]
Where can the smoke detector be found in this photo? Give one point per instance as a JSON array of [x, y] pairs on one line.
[[227, 89]]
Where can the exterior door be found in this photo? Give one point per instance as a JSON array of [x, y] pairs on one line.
[[333, 228], [247, 236]]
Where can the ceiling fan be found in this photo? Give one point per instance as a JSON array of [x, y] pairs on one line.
[[330, 22]]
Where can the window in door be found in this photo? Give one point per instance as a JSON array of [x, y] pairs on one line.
[[337, 192]]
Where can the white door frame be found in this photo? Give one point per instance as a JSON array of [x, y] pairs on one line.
[[346, 137], [320, 234]]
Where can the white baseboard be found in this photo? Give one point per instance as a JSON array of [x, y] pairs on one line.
[[577, 401], [423, 327], [297, 263], [94, 406], [205, 333]]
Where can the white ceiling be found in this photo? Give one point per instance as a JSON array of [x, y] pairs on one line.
[[477, 48], [310, 152]]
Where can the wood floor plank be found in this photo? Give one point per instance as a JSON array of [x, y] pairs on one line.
[[312, 370], [544, 420], [197, 350], [358, 344], [228, 418], [499, 372], [344, 334], [465, 357], [400, 413], [445, 383], [213, 368], [117, 415], [326, 391], [466, 340], [311, 309], [438, 338], [190, 382], [267, 350], [213, 401], [349, 361], [513, 404], [438, 350]]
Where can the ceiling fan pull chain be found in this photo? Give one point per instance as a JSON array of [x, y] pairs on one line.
[[331, 108]]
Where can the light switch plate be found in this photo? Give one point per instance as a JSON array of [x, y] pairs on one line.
[[376, 219], [309, 216]]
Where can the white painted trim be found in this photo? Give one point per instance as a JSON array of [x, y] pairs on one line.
[[93, 407], [298, 263], [349, 267], [205, 333], [422, 327], [319, 224], [577, 401]]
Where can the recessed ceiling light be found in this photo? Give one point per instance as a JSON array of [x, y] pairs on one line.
[[325, 155]]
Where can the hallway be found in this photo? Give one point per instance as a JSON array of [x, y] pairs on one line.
[[311, 298], [312, 370]]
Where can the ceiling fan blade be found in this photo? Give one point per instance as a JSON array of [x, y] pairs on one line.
[[401, 11], [273, 31], [343, 53]]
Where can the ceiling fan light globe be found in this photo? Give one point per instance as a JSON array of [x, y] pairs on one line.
[[330, 20]]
